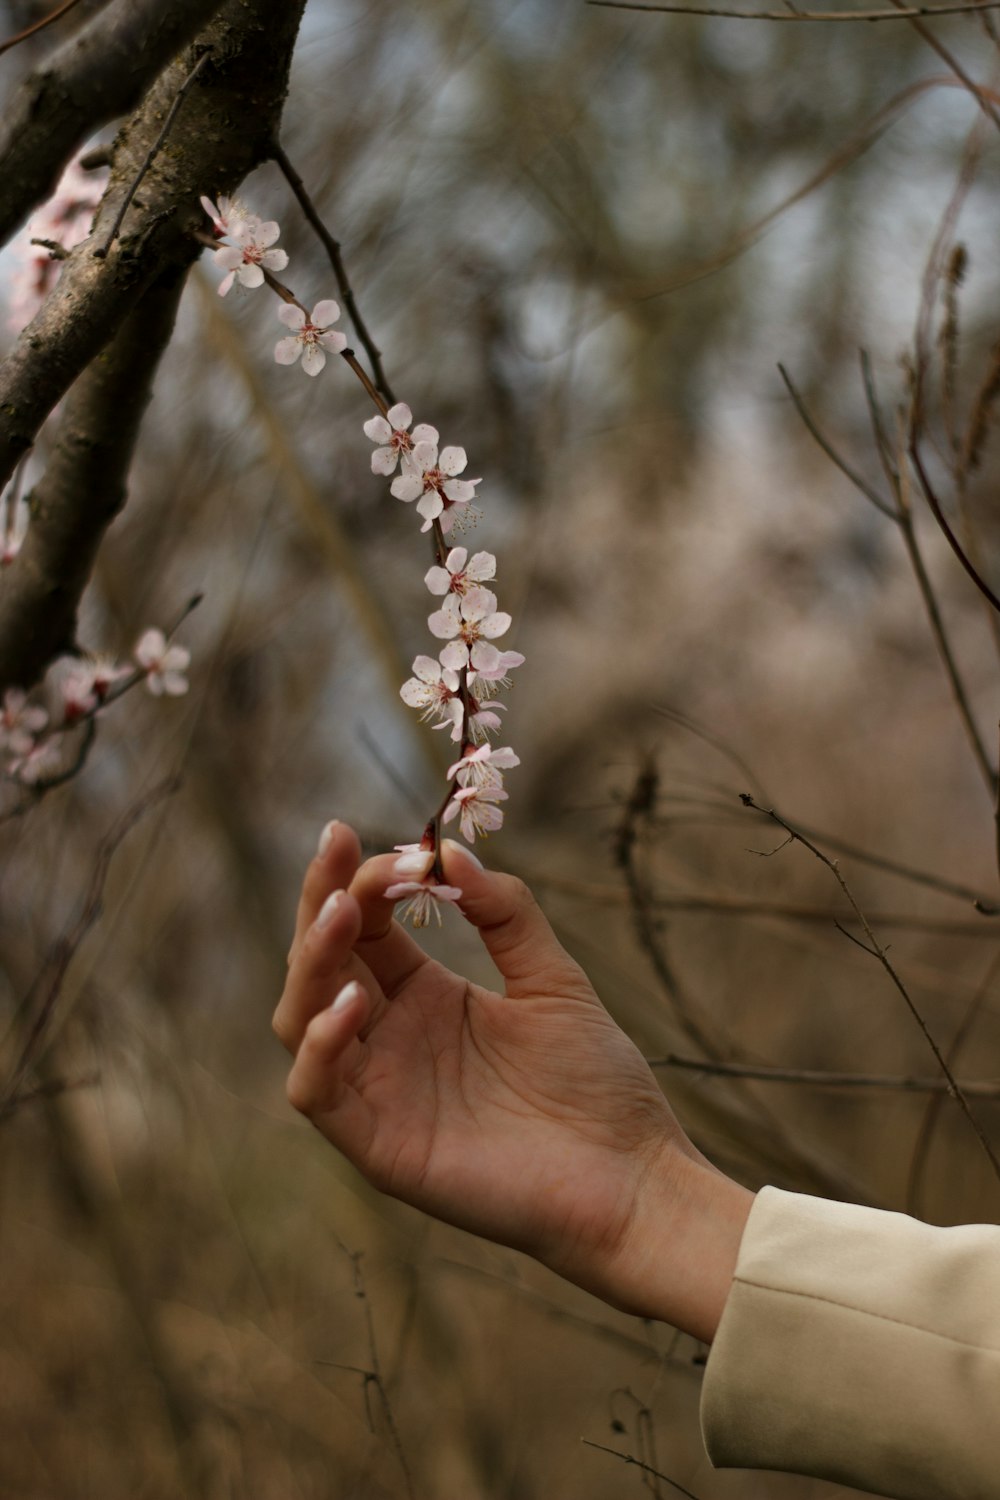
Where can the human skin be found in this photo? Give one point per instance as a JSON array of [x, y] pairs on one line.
[[527, 1117]]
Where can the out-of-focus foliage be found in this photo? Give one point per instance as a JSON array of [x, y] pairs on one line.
[[540, 206]]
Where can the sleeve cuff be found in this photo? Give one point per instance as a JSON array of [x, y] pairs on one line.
[[861, 1347]]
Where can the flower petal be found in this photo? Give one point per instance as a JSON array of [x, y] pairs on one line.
[[287, 351], [384, 461], [400, 417], [452, 461], [325, 313], [407, 486], [313, 359], [378, 429], [438, 580]]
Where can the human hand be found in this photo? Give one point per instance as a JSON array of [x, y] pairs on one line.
[[527, 1117]]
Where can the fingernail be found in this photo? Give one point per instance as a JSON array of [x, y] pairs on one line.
[[468, 854], [347, 994], [325, 837], [328, 908]]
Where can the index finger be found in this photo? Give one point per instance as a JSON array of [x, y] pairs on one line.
[[332, 869]]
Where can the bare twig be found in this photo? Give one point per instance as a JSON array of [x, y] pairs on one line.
[[151, 155], [36, 26], [793, 14], [332, 248], [869, 491], [818, 1078], [43, 995], [875, 948], [629, 1458], [982, 96], [49, 1090], [925, 1135]]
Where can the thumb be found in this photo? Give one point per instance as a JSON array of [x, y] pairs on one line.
[[514, 930]]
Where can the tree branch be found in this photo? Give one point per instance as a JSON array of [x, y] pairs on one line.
[[817, 1078], [97, 75], [82, 490]]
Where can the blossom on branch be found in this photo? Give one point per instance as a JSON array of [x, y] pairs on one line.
[[20, 722], [433, 483], [251, 255], [396, 442], [457, 576], [483, 767], [475, 807], [311, 337], [475, 620], [164, 665], [431, 688], [426, 897]]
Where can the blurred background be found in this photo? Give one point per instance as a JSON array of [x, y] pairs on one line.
[[583, 240]]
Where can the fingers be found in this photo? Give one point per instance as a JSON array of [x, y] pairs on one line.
[[512, 927], [324, 962], [390, 952], [333, 868], [331, 1056]]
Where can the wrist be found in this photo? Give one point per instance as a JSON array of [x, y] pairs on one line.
[[676, 1260]]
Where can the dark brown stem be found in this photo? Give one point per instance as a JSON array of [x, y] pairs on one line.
[[816, 1078], [332, 248], [905, 12], [875, 948], [36, 26]]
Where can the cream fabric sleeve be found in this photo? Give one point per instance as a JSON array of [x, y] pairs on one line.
[[862, 1347]]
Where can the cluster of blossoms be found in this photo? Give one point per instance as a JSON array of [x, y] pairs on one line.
[[32, 742], [63, 222], [458, 689]]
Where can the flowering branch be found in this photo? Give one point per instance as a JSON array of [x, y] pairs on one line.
[[458, 687]]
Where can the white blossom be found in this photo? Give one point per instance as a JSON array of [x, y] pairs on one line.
[[312, 335], [164, 665], [396, 443]]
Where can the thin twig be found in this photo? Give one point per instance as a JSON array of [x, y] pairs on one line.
[[817, 1078], [373, 1375], [903, 14], [50, 979], [879, 953], [102, 250], [869, 492], [22, 36], [981, 95], [935, 505], [332, 248], [629, 1458], [49, 1090], [925, 1135]]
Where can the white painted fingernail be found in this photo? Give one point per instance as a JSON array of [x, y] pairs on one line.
[[325, 837], [347, 994], [328, 908], [468, 854]]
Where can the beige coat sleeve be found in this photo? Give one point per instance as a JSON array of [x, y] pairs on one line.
[[862, 1347]]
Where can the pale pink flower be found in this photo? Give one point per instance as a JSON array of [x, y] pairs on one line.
[[397, 443], [431, 688], [475, 620], [490, 676], [425, 898], [87, 685], [231, 217], [20, 722], [433, 483], [484, 767], [458, 576], [251, 256], [164, 665], [41, 761], [66, 220], [475, 807], [312, 335]]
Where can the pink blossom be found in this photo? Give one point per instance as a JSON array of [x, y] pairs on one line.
[[66, 220], [312, 335], [85, 688], [475, 620], [457, 576], [433, 483], [40, 761], [397, 443], [481, 721], [489, 677], [476, 808], [20, 722], [164, 665], [431, 688], [248, 259], [229, 216], [426, 897], [484, 767]]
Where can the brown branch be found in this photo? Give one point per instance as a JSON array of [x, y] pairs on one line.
[[880, 954], [332, 248], [373, 1375], [982, 96], [150, 156], [817, 1078], [43, 995], [629, 1458], [904, 13], [36, 26], [82, 490], [931, 497], [869, 492], [99, 74]]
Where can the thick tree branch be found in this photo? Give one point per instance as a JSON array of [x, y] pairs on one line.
[[225, 129], [82, 490], [99, 74]]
